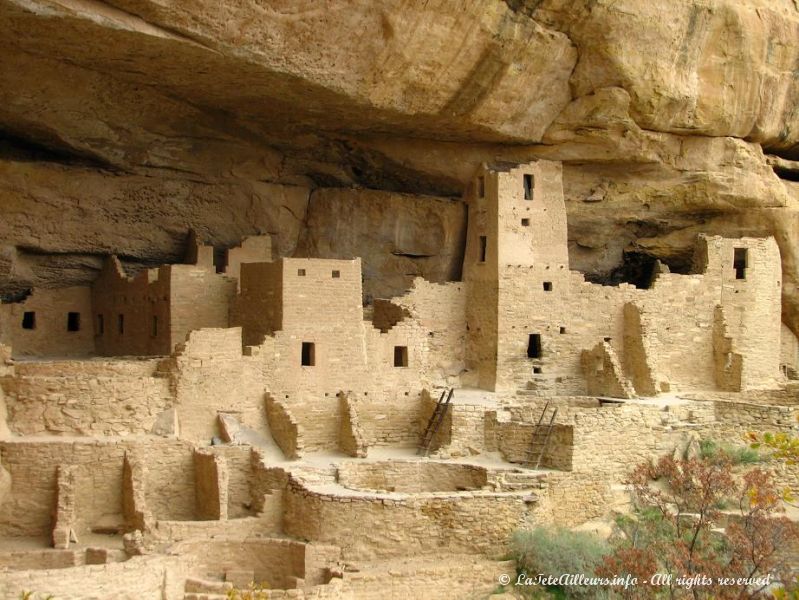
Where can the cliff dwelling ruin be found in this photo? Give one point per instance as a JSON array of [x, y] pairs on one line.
[[346, 300], [209, 424]]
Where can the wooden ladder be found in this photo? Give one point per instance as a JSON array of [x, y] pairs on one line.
[[435, 421], [541, 435]]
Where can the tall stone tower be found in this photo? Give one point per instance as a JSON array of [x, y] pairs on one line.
[[515, 265]]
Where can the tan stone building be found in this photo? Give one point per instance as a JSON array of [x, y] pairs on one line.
[[520, 320], [534, 324], [219, 437]]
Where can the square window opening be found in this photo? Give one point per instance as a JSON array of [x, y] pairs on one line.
[[534, 345], [529, 182], [400, 356], [537, 370], [525, 222], [29, 320], [73, 321], [308, 354], [300, 272], [739, 263], [547, 286], [336, 274], [483, 243], [562, 330]]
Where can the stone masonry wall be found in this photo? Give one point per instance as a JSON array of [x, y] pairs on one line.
[[209, 374], [71, 398], [49, 335], [413, 477], [140, 578], [98, 474], [476, 521]]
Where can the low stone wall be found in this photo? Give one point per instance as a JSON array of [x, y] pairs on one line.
[[95, 397], [351, 438], [211, 485], [570, 499], [460, 577], [402, 524], [274, 563], [193, 530], [40, 559], [514, 440], [735, 419], [411, 476], [607, 439], [388, 418], [140, 578], [97, 468], [285, 429]]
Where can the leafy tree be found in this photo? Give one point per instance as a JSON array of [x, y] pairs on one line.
[[679, 544], [783, 446]]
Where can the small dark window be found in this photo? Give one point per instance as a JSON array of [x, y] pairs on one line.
[[220, 260], [547, 286], [534, 345], [400, 356], [73, 321], [308, 354], [537, 370], [563, 330], [336, 274], [121, 324], [528, 187], [739, 263], [481, 187], [483, 242], [100, 325], [525, 222], [155, 326], [29, 320], [300, 272]]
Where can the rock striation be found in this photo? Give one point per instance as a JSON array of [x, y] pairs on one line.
[[125, 123]]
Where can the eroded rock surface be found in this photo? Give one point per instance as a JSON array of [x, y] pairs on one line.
[[126, 122]]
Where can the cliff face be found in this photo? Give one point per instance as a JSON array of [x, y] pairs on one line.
[[123, 123]]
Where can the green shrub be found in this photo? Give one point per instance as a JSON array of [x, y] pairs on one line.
[[555, 551], [737, 455]]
